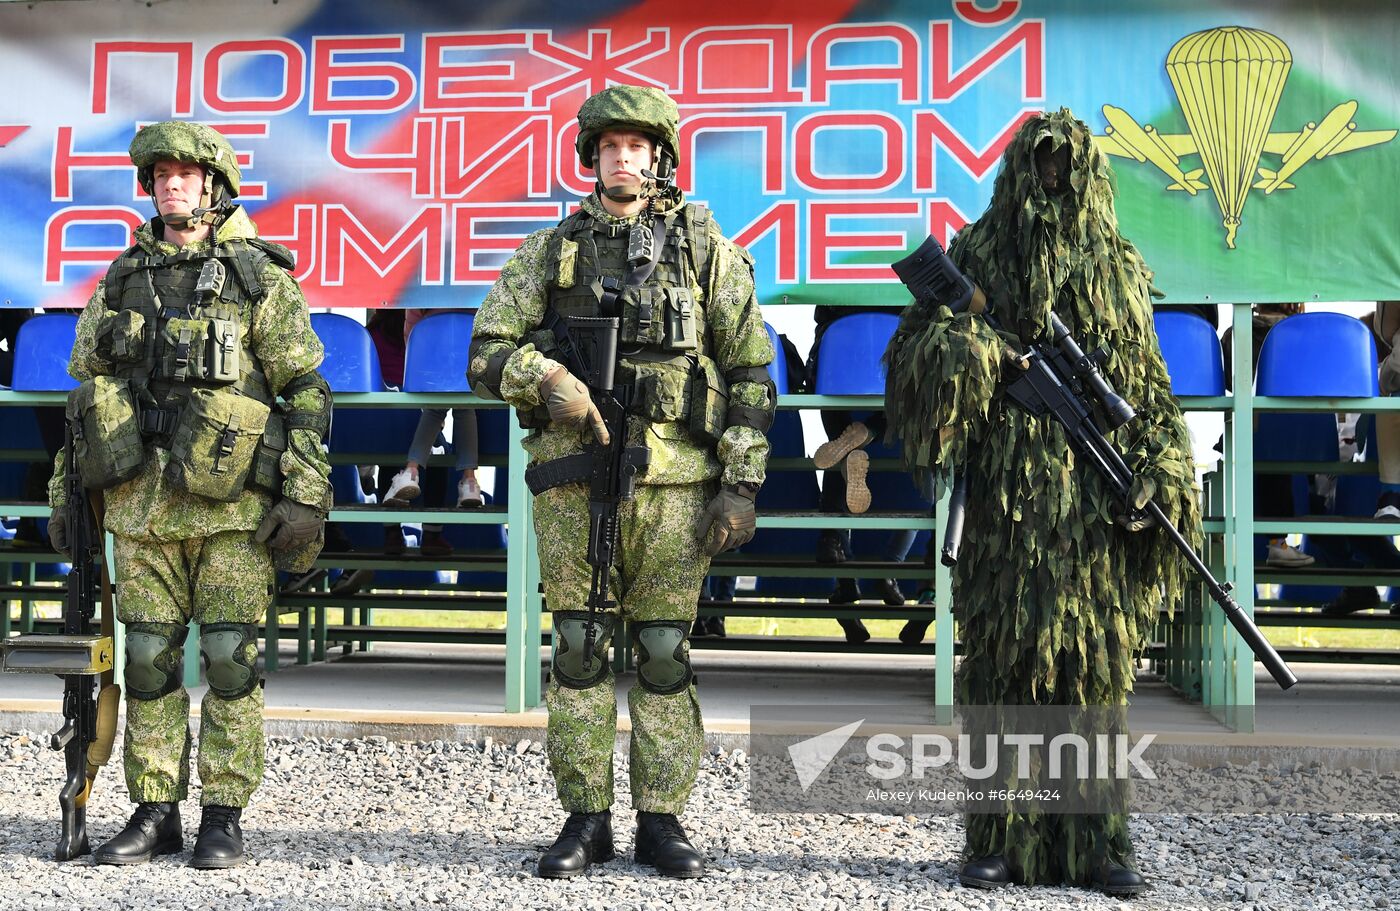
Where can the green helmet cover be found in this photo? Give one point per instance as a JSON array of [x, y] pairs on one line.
[[180, 140], [628, 107]]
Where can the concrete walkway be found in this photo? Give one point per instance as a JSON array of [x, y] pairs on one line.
[[415, 692]]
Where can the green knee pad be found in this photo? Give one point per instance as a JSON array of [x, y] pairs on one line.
[[573, 667], [663, 660], [155, 659], [228, 668]]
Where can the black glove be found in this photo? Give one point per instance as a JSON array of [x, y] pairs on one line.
[[730, 517], [290, 524], [1140, 493], [58, 530]]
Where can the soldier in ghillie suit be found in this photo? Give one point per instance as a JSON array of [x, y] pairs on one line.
[[211, 483], [694, 350], [1056, 588]]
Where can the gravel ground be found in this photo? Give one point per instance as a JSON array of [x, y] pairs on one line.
[[374, 824]]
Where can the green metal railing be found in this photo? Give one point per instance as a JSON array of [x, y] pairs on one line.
[[1202, 653]]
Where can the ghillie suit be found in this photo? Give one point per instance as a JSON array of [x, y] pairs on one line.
[[1055, 600]]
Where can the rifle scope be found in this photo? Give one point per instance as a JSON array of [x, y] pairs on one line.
[[1116, 409]]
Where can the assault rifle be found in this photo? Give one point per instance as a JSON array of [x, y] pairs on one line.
[[1060, 380], [82, 658], [589, 347]]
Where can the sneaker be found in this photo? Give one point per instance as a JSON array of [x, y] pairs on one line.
[[855, 468], [856, 436], [402, 488], [1286, 556], [1388, 506], [469, 493]]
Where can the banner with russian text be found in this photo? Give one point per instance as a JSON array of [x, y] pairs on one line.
[[402, 148]]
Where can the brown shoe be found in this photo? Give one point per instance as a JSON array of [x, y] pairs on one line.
[[855, 436], [393, 540], [435, 545], [855, 468]]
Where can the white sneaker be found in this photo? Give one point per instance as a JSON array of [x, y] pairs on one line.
[[402, 488], [469, 493], [1288, 557]]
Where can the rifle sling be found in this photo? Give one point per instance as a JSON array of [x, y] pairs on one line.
[[576, 469]]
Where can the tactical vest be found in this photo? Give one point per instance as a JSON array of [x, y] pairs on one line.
[[664, 346], [184, 378]]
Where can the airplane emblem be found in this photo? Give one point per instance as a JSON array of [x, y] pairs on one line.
[[1228, 82]]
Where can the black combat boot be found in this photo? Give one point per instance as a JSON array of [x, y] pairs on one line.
[[153, 829], [220, 842], [585, 839], [888, 590], [990, 872], [830, 548], [912, 633], [1116, 879], [661, 843]]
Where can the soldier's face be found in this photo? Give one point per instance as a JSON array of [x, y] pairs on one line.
[[622, 156], [1053, 166], [177, 186]]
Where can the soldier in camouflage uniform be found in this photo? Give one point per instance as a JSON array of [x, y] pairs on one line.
[[695, 351], [1057, 587], [211, 484]]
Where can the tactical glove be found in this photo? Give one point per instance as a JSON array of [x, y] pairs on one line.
[[58, 530], [569, 404], [1141, 492], [730, 517], [290, 524]]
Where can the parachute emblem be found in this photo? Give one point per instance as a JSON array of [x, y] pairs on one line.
[[1228, 82]]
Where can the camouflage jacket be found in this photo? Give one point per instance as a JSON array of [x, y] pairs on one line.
[[279, 333], [516, 305]]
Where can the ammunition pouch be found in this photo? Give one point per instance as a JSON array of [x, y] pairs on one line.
[[202, 348], [266, 472], [663, 656], [230, 653], [212, 449], [709, 402], [662, 389], [107, 441], [121, 336], [664, 318], [573, 667], [155, 659]]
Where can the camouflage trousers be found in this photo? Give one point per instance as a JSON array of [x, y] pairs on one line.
[[223, 578], [657, 576]]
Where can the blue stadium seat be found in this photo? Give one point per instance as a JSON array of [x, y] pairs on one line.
[[861, 339], [41, 353], [1324, 354], [436, 360], [352, 362], [1192, 352], [352, 365], [777, 369]]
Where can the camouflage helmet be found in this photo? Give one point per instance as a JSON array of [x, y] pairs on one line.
[[628, 107], [180, 140]]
